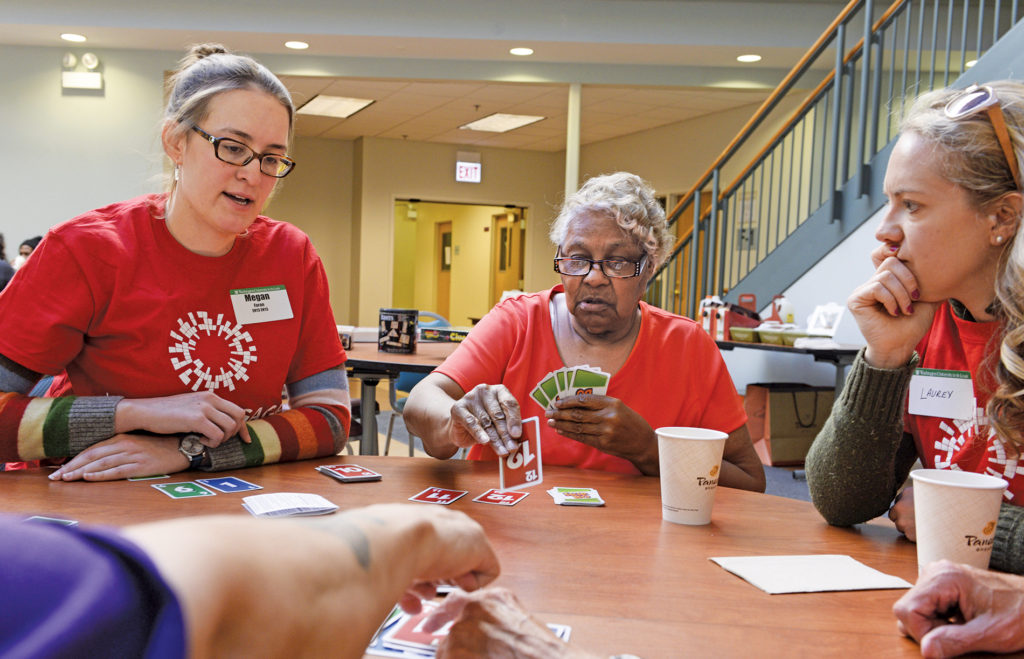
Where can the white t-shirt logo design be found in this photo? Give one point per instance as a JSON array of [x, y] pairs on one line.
[[211, 354]]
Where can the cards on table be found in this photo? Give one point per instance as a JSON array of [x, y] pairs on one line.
[[576, 496], [501, 497], [522, 467], [52, 520], [349, 473], [569, 381], [438, 495], [229, 484], [287, 504], [187, 490]]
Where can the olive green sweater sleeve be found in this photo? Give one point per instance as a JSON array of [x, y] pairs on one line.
[[1008, 549], [862, 456]]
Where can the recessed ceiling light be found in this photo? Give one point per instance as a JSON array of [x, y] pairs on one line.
[[521, 52], [296, 45], [334, 106], [749, 58], [70, 36], [501, 123], [970, 63]]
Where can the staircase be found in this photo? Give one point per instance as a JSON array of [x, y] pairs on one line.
[[760, 223]]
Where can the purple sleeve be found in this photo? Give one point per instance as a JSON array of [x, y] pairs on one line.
[[69, 592]]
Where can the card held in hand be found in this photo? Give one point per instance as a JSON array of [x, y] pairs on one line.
[[523, 468]]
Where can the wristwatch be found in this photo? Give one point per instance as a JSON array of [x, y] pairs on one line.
[[193, 449]]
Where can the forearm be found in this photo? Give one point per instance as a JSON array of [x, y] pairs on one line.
[[428, 416], [861, 456], [1008, 549]]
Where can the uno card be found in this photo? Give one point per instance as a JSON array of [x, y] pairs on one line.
[[438, 495], [501, 498], [523, 468], [549, 385], [52, 520], [229, 484], [154, 477], [349, 473], [409, 633], [183, 490], [589, 382], [538, 395]]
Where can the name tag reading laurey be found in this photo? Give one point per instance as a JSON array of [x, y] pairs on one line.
[[261, 305], [943, 394]]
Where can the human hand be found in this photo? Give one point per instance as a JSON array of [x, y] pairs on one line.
[[487, 414], [889, 312], [955, 609], [205, 413], [902, 513], [124, 456], [605, 423], [492, 623]]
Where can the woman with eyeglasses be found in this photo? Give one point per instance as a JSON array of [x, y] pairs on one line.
[[173, 321], [665, 371], [942, 377]]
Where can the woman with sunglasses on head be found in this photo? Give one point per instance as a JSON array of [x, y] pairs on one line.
[[665, 370], [947, 296], [173, 321]]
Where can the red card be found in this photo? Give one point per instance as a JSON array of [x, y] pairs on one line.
[[501, 498], [349, 473], [438, 495], [523, 467]]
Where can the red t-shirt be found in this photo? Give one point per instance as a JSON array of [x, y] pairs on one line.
[[674, 376], [955, 344], [114, 302]]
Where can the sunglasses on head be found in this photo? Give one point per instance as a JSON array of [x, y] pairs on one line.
[[978, 98]]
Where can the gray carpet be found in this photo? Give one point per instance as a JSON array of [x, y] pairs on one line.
[[780, 479]]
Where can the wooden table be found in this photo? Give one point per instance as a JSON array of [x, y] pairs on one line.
[[623, 579], [839, 357], [371, 366]]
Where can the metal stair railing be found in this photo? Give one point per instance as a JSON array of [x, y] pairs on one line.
[[820, 151]]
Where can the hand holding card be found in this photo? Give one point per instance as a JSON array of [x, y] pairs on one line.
[[523, 468]]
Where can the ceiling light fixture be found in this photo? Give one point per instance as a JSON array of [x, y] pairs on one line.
[[749, 58], [334, 106], [501, 123], [296, 45], [521, 52], [70, 36]]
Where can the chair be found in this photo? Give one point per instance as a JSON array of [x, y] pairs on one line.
[[406, 380]]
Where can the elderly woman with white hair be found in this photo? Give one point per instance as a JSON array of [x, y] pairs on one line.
[[665, 371]]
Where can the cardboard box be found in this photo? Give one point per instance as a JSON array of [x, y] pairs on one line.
[[784, 418]]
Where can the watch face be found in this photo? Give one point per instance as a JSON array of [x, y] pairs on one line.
[[191, 446]]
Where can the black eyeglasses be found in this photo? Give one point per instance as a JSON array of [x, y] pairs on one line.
[[578, 266], [975, 99], [235, 153]]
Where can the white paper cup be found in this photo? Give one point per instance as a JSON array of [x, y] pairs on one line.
[[690, 460], [955, 515]]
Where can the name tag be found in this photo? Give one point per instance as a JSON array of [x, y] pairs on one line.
[[944, 394], [261, 305]]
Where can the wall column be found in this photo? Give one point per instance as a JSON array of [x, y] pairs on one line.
[[572, 140]]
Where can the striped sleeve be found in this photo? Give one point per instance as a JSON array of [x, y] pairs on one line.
[[37, 428], [311, 431]]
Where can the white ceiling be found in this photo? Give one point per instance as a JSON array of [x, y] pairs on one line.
[[433, 65]]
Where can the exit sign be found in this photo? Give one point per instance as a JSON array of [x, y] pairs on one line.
[[468, 172]]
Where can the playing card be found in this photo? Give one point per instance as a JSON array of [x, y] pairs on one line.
[[229, 484], [549, 385], [589, 381], [408, 633], [438, 495], [576, 496], [523, 468], [501, 497], [52, 520], [349, 473], [287, 504], [538, 395], [183, 490]]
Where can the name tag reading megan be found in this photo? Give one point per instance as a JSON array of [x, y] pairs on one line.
[[944, 394], [261, 305]]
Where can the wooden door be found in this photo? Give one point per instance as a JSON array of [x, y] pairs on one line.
[[506, 253], [444, 267]]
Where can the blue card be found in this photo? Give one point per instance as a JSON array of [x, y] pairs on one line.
[[229, 484]]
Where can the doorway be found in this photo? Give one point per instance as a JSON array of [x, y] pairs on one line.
[[449, 258]]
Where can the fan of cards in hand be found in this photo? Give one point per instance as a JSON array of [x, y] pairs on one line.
[[570, 381]]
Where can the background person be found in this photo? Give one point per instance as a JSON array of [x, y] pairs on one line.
[[25, 250], [172, 321], [948, 294], [6, 271], [665, 370], [268, 588], [955, 609]]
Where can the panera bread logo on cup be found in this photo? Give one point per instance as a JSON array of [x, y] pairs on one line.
[[711, 481]]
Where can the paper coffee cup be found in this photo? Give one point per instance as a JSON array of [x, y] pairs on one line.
[[690, 460], [955, 515]]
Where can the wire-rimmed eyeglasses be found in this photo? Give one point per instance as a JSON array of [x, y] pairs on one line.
[[578, 266], [975, 99], [235, 153]]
